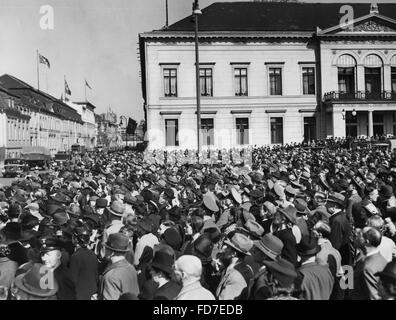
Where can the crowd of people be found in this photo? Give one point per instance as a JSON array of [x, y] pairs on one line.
[[292, 222]]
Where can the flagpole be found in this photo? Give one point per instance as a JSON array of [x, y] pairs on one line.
[[64, 85], [38, 71], [85, 87]]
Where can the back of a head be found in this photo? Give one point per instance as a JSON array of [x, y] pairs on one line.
[[324, 228], [375, 222], [373, 236], [191, 265]]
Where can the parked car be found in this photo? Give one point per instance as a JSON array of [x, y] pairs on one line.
[[13, 170]]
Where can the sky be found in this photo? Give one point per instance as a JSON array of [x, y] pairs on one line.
[[93, 40]]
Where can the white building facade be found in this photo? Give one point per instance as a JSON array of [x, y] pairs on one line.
[[271, 80]]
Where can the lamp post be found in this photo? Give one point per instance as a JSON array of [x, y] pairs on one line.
[[196, 13], [126, 125]]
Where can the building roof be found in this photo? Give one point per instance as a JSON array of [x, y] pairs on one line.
[[38, 99], [274, 16], [86, 104]]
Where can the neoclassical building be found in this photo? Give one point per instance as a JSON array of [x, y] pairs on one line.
[[32, 118], [271, 73]]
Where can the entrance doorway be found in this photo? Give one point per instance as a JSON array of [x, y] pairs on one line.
[[309, 129]]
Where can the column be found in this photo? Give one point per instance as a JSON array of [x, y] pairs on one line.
[[339, 129], [360, 78], [387, 78], [370, 123]]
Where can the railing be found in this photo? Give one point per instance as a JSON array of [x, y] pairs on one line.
[[359, 95]]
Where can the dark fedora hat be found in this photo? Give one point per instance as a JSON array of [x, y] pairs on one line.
[[203, 246], [283, 271], [172, 237], [163, 261], [118, 242], [12, 230], [270, 245], [30, 282], [101, 203], [308, 246], [290, 213], [389, 272]]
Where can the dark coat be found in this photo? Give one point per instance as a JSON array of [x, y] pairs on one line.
[[340, 235], [366, 282], [84, 272], [18, 253], [261, 289], [315, 281], [169, 291], [67, 290], [289, 251]]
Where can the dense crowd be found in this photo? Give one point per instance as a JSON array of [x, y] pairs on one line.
[[291, 222]]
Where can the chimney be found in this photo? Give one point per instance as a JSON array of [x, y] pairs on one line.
[[374, 8]]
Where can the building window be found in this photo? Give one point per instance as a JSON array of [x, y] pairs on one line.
[[276, 130], [275, 81], [378, 124], [373, 82], [207, 130], [346, 81], [206, 82], [171, 132], [308, 74], [240, 76], [170, 82], [242, 127]]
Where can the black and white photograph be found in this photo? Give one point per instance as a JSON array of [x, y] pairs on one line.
[[205, 150]]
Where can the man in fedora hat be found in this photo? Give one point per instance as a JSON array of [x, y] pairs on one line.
[[146, 238], [203, 249], [237, 274], [116, 211], [28, 285], [120, 276], [314, 281], [161, 272], [267, 248], [340, 226], [83, 265], [284, 227], [282, 275]]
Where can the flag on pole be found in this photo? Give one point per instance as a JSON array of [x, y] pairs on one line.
[[44, 60], [67, 89], [86, 84]]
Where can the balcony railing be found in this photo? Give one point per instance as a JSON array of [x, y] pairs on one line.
[[360, 95]]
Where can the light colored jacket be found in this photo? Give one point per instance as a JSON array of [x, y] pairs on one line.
[[119, 278], [195, 291], [231, 284]]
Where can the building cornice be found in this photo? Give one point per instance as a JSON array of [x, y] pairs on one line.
[[216, 35]]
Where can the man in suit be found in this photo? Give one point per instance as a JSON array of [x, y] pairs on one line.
[[366, 280], [237, 275], [314, 281], [84, 265], [120, 276], [161, 272], [340, 226]]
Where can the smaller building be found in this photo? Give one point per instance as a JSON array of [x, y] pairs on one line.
[[14, 125], [108, 129], [89, 132]]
